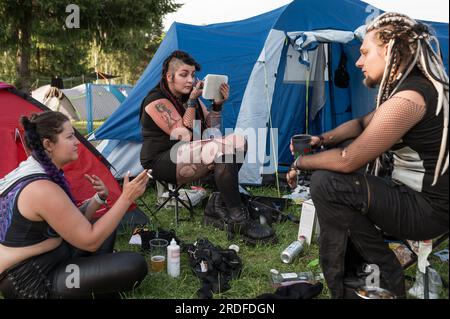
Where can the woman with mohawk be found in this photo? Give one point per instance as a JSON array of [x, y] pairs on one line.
[[411, 123]]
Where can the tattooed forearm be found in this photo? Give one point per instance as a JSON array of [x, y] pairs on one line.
[[166, 115], [189, 117]]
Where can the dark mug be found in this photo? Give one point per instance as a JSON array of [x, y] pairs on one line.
[[301, 144]]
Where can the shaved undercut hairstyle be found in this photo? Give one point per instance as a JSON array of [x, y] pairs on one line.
[[177, 58]]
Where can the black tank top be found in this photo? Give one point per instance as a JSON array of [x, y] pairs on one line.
[[19, 231], [416, 154], [155, 140]]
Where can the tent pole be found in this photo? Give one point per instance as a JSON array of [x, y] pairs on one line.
[[308, 74], [89, 107], [330, 88], [275, 151]]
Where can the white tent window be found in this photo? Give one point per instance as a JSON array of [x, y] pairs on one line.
[[297, 72]]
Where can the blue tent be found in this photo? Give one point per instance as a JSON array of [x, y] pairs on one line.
[[280, 67]]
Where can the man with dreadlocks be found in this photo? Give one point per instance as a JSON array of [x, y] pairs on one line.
[[410, 121], [173, 120]]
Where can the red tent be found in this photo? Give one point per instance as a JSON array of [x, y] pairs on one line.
[[13, 104]]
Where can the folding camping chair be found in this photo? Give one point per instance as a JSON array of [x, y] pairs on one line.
[[355, 275], [173, 193], [414, 257], [435, 243]]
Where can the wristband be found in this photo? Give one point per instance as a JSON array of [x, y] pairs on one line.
[[98, 199], [296, 163], [322, 140], [293, 166]]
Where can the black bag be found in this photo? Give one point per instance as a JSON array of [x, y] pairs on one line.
[[214, 266], [301, 290], [257, 206], [259, 210]]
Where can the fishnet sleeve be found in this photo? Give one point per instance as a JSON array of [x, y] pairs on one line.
[[389, 123], [213, 118], [189, 117]]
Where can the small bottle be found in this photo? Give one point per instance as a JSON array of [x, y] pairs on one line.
[[288, 255], [173, 259], [289, 278]]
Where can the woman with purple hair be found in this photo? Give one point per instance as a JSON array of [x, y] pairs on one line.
[[48, 247]]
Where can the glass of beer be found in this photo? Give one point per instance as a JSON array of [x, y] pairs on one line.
[[158, 252]]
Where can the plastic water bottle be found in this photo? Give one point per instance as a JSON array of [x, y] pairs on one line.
[[434, 285], [173, 259]]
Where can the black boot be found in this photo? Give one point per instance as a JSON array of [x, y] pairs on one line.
[[216, 212], [236, 220], [239, 222]]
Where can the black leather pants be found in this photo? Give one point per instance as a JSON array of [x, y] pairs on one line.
[[66, 272], [349, 206]]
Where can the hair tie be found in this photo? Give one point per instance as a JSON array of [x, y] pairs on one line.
[[28, 125]]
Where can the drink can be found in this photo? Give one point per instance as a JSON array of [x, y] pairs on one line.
[[289, 254]]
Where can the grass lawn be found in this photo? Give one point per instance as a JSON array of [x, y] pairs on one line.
[[257, 261], [81, 126]]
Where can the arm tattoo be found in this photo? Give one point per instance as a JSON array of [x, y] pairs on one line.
[[166, 114]]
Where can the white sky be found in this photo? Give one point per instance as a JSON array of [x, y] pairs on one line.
[[200, 12]]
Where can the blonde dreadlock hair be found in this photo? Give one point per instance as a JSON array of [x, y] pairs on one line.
[[410, 44]]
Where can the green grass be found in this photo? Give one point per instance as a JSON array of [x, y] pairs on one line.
[[81, 126], [257, 261]]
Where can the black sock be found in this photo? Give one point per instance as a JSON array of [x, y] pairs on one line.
[[227, 181]]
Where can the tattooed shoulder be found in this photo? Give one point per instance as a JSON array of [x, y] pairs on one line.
[[161, 107], [166, 114]]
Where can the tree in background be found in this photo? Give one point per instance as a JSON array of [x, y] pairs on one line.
[[35, 42]]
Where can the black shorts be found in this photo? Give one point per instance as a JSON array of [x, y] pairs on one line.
[[164, 169]]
